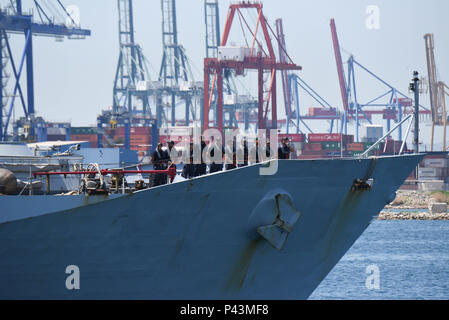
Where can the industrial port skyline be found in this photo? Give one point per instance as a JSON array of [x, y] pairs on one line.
[[74, 79]]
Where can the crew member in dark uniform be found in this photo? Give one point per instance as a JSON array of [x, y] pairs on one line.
[[172, 154], [189, 168], [201, 168], [160, 159], [216, 167], [232, 163], [245, 152], [268, 151], [284, 150], [255, 153]]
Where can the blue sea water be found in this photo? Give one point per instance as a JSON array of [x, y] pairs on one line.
[[412, 258]]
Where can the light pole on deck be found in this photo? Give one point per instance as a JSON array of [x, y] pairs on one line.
[[414, 86]]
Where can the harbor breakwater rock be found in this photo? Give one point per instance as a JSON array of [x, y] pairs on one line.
[[385, 215], [428, 206]]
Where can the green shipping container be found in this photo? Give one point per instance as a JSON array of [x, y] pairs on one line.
[[83, 130], [331, 145], [356, 153], [368, 145]]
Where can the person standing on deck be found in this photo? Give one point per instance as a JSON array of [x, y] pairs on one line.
[[189, 168], [231, 163], [243, 154], [160, 159], [254, 153], [216, 166], [201, 168], [284, 150]]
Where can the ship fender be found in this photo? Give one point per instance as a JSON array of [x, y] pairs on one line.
[[273, 218]]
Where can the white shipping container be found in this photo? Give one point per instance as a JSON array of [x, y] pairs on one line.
[[431, 173], [231, 99], [176, 131], [233, 53], [430, 178], [374, 132], [143, 85], [435, 163], [186, 85]]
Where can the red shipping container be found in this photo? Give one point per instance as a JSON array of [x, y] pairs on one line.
[[293, 137], [312, 112], [92, 138], [140, 148], [175, 139], [141, 131], [310, 157], [313, 147], [325, 137], [393, 146], [140, 140], [347, 139], [120, 131], [313, 153], [321, 112], [356, 147]]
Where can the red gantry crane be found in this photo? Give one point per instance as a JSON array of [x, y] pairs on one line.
[[262, 59]]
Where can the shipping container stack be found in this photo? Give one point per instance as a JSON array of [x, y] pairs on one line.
[[140, 137], [85, 134], [58, 132], [434, 168], [392, 147], [329, 145], [326, 145]]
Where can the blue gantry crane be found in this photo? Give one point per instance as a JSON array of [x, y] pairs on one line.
[[132, 84], [14, 20], [132, 77], [392, 104], [175, 73], [212, 20]]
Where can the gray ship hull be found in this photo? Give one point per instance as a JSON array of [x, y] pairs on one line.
[[201, 239]]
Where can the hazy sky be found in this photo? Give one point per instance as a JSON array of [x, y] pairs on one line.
[[74, 78]]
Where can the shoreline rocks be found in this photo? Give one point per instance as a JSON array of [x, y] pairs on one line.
[[424, 216], [414, 200]]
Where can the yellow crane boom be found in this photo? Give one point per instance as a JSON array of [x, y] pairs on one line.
[[437, 92]]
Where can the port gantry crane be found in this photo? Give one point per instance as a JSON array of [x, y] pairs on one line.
[[237, 108], [212, 20], [175, 73], [393, 103], [261, 58], [443, 93], [437, 92], [292, 83], [132, 84], [13, 20]]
